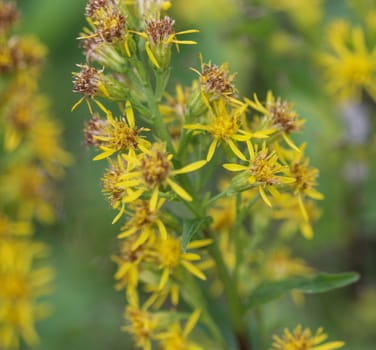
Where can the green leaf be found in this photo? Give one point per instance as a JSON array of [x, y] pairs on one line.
[[318, 283], [190, 228]]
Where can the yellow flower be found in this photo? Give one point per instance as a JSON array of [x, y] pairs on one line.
[[129, 262], [150, 172], [170, 257], [144, 222], [280, 265], [118, 134], [21, 287], [289, 209], [351, 66], [305, 176], [304, 340], [141, 324], [224, 127], [159, 35], [279, 116], [9, 227], [176, 338], [263, 171]]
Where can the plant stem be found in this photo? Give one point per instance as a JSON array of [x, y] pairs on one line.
[[232, 296]]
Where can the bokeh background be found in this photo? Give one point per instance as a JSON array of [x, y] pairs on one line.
[[341, 143]]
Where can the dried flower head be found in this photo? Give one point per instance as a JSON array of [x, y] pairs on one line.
[[93, 128], [8, 15], [87, 80], [160, 30], [94, 5]]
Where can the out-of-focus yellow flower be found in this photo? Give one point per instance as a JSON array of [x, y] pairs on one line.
[[351, 66], [21, 286], [176, 338], [280, 265], [301, 339], [141, 324], [305, 14]]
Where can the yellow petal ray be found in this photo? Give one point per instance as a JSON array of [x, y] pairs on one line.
[[211, 150], [191, 256], [290, 142], [129, 113], [179, 190], [145, 234], [77, 103], [199, 243], [127, 233], [151, 55], [189, 31], [191, 323], [264, 196], [234, 167], [119, 214], [162, 229], [310, 192], [154, 199], [331, 346], [190, 167], [104, 155], [194, 270], [164, 278], [236, 150]]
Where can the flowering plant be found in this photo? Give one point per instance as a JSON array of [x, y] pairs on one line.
[[200, 180]]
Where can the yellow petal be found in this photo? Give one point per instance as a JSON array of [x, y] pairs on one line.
[[264, 197], [194, 270], [190, 167], [191, 322], [234, 167], [179, 190], [211, 150], [129, 113]]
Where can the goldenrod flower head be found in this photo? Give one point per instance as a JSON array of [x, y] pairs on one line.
[[144, 222], [176, 338], [141, 324], [170, 256], [216, 81], [112, 179], [264, 170], [119, 134], [305, 15], [301, 339], [224, 127], [21, 287], [93, 5], [160, 35], [129, 261], [298, 214], [278, 115], [93, 128], [280, 265], [351, 66], [8, 15], [108, 23], [9, 227], [87, 80]]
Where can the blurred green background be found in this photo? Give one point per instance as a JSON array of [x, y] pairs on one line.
[[88, 311]]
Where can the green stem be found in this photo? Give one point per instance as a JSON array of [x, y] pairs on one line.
[[232, 296]]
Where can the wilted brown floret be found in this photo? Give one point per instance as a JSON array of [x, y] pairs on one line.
[[95, 127], [217, 80], [109, 24], [283, 116], [155, 167], [160, 30], [94, 5], [86, 81], [8, 15]]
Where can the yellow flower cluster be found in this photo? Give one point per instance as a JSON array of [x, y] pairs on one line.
[[31, 159], [167, 155]]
